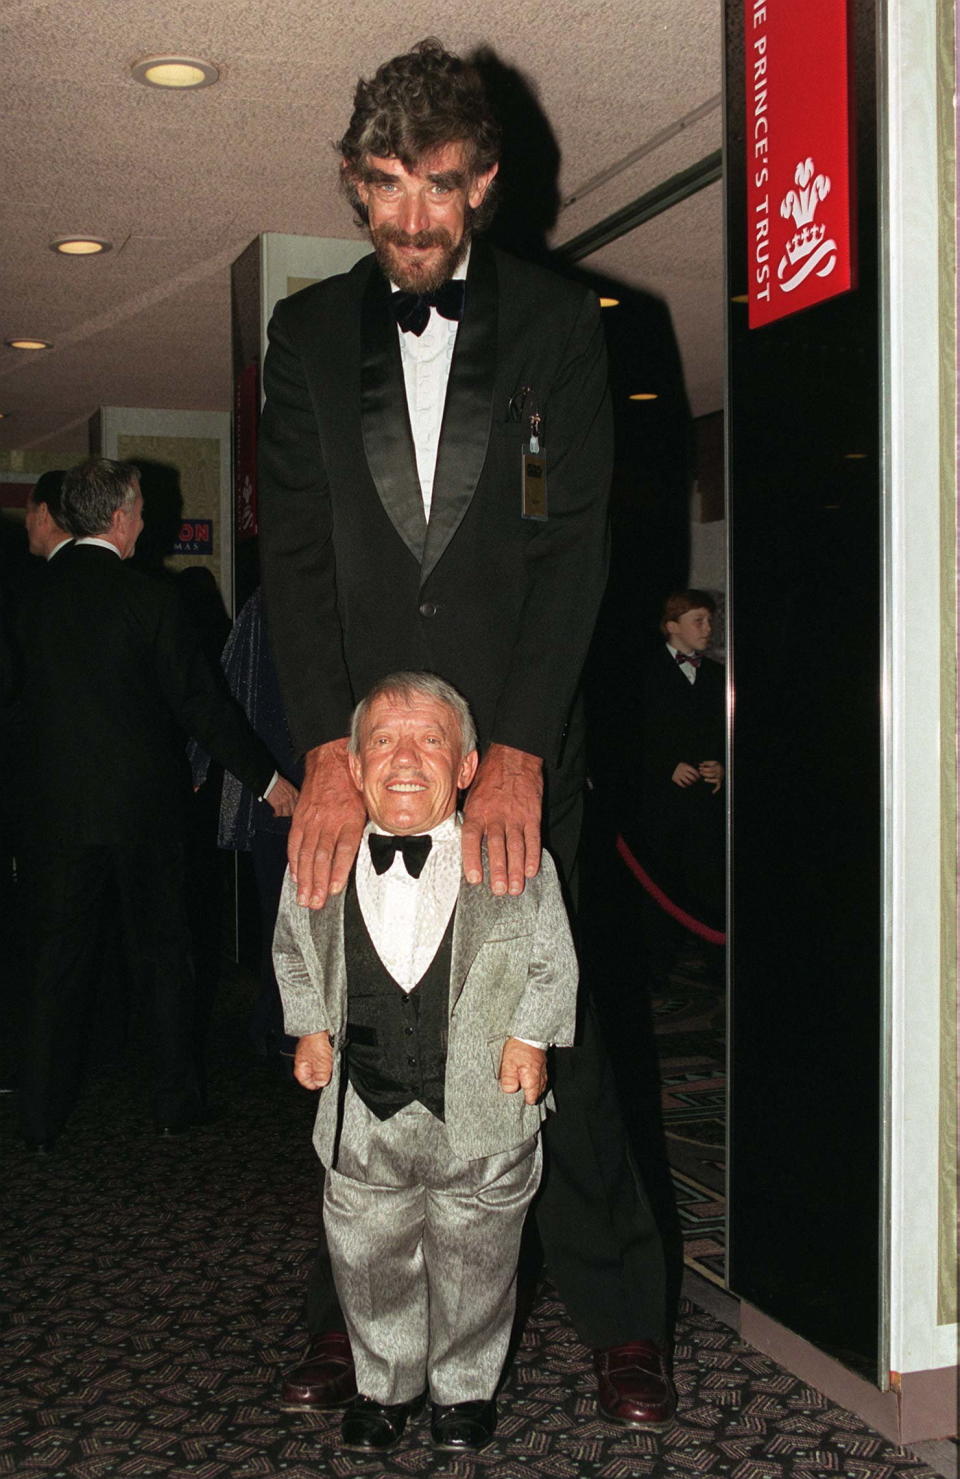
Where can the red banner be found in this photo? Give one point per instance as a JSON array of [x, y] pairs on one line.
[[799, 210]]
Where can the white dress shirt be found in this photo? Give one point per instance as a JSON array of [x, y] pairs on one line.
[[688, 669], [426, 362], [406, 917], [104, 543]]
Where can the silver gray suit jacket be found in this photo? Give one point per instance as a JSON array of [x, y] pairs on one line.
[[513, 973]]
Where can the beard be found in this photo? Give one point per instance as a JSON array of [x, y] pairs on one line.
[[413, 276]]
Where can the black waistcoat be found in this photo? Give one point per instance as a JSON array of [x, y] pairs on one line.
[[396, 1041]]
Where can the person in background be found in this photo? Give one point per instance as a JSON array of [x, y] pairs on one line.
[[682, 814], [114, 681], [46, 535]]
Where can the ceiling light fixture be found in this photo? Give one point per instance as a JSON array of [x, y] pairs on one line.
[[645, 395], [80, 246], [180, 72], [609, 302], [28, 343], [740, 298]]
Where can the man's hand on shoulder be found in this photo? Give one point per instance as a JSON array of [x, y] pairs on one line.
[[327, 826], [522, 1066], [313, 1060], [504, 804]]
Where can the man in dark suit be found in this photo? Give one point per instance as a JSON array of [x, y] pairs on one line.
[[114, 681], [682, 810], [46, 535], [436, 450]]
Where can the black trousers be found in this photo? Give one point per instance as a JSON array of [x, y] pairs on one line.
[[71, 892], [600, 1239]]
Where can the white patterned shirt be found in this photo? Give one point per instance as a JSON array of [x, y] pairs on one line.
[[426, 362], [406, 917]]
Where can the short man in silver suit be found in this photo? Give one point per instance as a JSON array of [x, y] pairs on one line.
[[424, 1009]]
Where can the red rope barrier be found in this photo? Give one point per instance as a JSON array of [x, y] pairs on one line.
[[696, 926]]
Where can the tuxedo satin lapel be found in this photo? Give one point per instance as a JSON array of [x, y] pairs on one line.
[[468, 409], [387, 440]]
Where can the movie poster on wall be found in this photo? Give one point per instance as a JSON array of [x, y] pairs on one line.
[[799, 186]]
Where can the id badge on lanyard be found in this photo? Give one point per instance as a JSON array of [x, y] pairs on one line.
[[533, 471]]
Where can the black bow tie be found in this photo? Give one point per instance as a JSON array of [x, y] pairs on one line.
[[384, 848], [412, 310], [693, 658]]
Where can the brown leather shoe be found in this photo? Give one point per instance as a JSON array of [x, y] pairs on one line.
[[326, 1377], [634, 1386]]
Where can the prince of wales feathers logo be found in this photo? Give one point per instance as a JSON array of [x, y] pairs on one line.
[[807, 250]]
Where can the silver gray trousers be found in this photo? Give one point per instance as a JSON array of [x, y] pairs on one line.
[[424, 1249]]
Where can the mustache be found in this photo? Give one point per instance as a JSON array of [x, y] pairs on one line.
[[435, 236]]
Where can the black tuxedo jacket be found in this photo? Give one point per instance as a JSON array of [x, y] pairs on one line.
[[680, 720], [356, 584], [114, 682]]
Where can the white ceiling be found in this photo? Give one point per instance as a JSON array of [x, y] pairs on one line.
[[182, 182]]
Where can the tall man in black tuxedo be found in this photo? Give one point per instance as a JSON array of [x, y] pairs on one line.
[[412, 408], [114, 682]]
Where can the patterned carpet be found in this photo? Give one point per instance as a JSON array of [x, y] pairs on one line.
[[689, 1022], [152, 1291]]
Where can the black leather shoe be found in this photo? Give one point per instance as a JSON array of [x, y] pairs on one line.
[[375, 1427], [462, 1426], [325, 1378]]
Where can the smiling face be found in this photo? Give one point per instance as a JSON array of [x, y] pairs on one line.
[[692, 631], [418, 219], [408, 766]]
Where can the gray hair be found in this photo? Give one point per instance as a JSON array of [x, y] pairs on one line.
[[408, 686], [93, 491]]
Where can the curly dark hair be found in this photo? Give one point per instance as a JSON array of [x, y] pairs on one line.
[[411, 107]]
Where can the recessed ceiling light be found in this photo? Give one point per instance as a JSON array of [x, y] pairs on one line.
[[182, 72], [855, 456], [28, 344], [741, 298], [609, 302], [4, 415], [80, 246], [645, 395]]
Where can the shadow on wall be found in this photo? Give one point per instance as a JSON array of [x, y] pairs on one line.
[[653, 446]]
